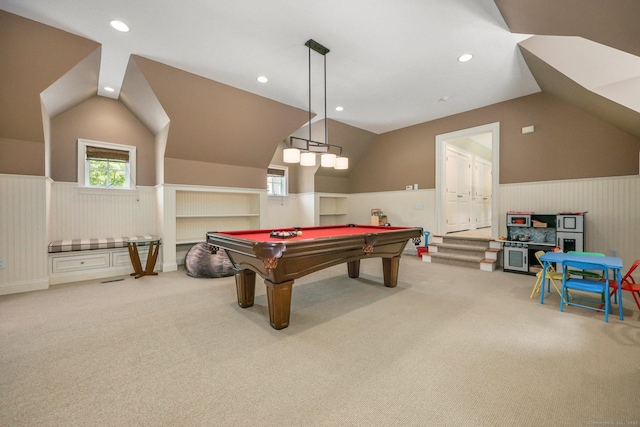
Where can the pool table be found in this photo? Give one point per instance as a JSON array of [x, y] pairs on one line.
[[280, 261]]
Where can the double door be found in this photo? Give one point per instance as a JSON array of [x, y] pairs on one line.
[[482, 193], [467, 191], [458, 191]]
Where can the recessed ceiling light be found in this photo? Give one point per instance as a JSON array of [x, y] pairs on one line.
[[120, 26], [466, 57], [109, 89], [339, 108], [262, 79]]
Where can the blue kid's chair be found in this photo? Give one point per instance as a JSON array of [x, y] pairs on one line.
[[585, 285]]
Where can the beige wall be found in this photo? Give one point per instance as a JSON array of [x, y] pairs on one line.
[[21, 157], [216, 123], [32, 57], [99, 119], [567, 144], [189, 172], [331, 184]]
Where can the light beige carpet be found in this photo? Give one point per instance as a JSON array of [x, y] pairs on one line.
[[448, 347]]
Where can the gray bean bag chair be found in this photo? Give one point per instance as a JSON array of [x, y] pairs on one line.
[[201, 263]]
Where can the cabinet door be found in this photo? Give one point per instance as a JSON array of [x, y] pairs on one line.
[[65, 264]]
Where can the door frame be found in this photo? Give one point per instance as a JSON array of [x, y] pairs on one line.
[[494, 129]]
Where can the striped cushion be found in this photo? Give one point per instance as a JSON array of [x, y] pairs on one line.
[[96, 243]]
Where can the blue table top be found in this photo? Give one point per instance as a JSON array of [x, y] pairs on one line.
[[609, 261]]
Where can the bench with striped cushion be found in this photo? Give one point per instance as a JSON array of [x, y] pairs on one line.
[[95, 243]]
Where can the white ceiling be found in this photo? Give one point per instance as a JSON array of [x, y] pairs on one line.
[[390, 63]]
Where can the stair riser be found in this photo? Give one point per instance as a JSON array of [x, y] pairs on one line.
[[477, 243], [479, 252], [456, 263]]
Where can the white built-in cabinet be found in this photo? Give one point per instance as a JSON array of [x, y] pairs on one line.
[[74, 266], [198, 212], [332, 209], [192, 211]]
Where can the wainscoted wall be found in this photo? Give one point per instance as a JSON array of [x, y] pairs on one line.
[[282, 212], [414, 208], [23, 233], [613, 205], [612, 222], [79, 213]]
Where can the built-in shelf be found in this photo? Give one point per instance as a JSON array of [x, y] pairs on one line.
[[217, 216], [331, 209], [201, 211], [189, 242]]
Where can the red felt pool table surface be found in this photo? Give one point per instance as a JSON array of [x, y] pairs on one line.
[[311, 232], [280, 261]]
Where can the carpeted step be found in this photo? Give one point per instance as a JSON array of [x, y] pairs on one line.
[[460, 249], [457, 260]]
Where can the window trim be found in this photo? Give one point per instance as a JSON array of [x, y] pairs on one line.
[[286, 180], [83, 171]]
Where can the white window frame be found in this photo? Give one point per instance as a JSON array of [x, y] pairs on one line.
[[286, 180], [83, 166]]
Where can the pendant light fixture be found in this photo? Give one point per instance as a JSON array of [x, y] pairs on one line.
[[304, 151]]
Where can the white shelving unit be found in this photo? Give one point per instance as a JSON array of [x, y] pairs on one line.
[[198, 212], [332, 209], [188, 212]]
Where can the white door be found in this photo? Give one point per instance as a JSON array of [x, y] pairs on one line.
[[482, 193], [457, 190]]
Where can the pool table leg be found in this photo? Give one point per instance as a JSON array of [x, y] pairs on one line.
[[390, 268], [246, 287], [279, 300], [353, 268]]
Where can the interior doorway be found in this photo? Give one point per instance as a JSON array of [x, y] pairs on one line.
[[483, 203], [458, 186]]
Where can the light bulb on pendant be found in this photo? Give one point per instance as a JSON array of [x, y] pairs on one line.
[[328, 160], [308, 159], [291, 155], [342, 163]]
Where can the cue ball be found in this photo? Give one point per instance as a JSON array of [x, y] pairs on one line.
[[299, 233]]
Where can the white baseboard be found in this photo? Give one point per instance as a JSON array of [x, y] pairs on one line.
[[25, 286], [170, 266]]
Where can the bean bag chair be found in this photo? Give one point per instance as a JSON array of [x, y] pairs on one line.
[[201, 263]]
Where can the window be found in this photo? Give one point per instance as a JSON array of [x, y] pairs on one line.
[[106, 165], [277, 180]]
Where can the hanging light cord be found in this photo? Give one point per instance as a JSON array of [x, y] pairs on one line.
[[309, 93], [326, 133]]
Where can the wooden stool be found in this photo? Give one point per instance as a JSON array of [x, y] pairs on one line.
[[154, 246]]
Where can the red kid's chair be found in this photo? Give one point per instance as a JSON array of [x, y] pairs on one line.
[[627, 284]]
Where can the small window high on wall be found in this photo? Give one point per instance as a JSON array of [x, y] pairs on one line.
[[106, 165], [277, 180]]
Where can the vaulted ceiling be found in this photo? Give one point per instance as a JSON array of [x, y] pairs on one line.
[[586, 52], [390, 66]]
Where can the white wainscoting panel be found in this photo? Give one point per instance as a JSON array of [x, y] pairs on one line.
[[166, 195], [78, 214], [409, 208], [613, 206], [23, 233], [282, 212]]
